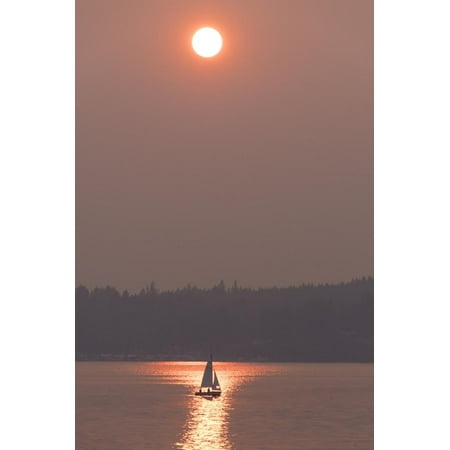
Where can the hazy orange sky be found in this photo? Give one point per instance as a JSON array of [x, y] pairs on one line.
[[255, 165]]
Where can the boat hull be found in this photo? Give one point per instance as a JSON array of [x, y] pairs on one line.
[[208, 394]]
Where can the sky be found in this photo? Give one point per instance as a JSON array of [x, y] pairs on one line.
[[255, 165]]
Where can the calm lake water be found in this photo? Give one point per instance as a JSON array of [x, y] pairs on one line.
[[150, 405]]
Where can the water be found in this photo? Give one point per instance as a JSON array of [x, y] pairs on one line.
[[150, 405]]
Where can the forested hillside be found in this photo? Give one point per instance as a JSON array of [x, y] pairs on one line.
[[304, 323]]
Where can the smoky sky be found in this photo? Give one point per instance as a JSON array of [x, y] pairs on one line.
[[255, 166]]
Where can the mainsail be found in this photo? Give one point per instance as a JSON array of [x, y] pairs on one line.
[[207, 380]]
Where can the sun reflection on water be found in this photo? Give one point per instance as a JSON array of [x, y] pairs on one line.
[[206, 426], [207, 422]]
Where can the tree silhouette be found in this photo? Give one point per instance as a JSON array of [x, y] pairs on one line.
[[303, 323]]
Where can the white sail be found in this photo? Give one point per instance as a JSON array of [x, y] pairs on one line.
[[216, 384], [207, 380]]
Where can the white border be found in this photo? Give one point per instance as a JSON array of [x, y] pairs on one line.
[[411, 224], [37, 225]]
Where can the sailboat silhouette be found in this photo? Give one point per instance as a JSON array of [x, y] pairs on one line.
[[210, 383]]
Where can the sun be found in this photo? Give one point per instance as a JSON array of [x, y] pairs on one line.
[[207, 42]]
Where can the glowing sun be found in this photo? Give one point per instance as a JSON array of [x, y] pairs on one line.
[[207, 42]]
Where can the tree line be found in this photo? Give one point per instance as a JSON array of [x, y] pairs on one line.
[[326, 322]]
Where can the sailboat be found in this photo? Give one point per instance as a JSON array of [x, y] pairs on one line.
[[210, 386]]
